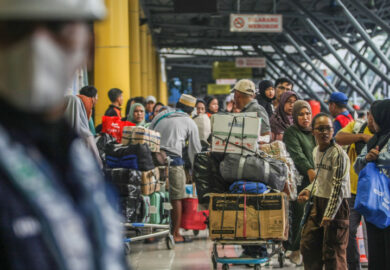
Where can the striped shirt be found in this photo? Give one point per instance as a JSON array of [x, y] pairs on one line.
[[333, 177]]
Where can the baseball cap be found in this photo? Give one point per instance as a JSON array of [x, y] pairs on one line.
[[245, 86], [338, 97], [151, 98], [187, 100]]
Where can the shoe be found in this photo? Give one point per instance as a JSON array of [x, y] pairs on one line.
[[296, 257]]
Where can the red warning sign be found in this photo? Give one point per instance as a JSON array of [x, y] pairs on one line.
[[256, 23]]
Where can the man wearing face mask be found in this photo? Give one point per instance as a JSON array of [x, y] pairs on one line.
[[54, 212]]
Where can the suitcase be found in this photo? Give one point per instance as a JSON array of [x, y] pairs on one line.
[[155, 208], [191, 218], [165, 207], [144, 213]]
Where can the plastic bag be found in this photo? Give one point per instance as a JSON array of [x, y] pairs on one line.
[[373, 196], [113, 125]]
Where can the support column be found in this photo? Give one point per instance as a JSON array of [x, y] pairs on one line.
[[162, 81], [112, 65], [144, 60], [150, 64], [154, 74], [135, 51]]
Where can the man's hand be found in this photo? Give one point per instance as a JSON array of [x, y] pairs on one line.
[[365, 137], [311, 174], [303, 196], [373, 154], [325, 221]]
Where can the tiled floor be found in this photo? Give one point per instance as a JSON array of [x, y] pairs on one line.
[[189, 256]]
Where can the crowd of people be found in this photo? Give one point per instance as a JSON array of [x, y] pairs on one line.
[[55, 212], [328, 150]]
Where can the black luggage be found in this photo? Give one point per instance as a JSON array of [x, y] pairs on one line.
[[142, 151]]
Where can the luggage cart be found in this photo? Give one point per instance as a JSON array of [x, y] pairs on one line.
[[146, 230], [140, 227], [276, 247]]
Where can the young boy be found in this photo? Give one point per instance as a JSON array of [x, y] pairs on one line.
[[116, 98], [325, 234]]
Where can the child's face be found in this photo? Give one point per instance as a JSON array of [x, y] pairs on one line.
[[323, 131]]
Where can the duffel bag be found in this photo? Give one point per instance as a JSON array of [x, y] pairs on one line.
[[255, 168], [123, 176], [127, 162], [128, 208], [207, 176], [141, 151], [244, 187]]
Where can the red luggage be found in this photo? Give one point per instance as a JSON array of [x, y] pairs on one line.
[[113, 125], [191, 219]]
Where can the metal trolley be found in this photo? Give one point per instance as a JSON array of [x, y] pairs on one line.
[[161, 230], [275, 246], [146, 230]]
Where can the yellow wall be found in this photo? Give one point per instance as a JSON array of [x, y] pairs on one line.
[[135, 49], [112, 66], [125, 57]]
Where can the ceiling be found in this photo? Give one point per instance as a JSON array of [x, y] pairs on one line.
[[307, 24]]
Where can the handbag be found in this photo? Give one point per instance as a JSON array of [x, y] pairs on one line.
[[114, 125], [373, 196]]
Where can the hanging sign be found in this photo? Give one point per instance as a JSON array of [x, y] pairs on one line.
[[250, 62], [268, 23], [228, 69], [218, 89]]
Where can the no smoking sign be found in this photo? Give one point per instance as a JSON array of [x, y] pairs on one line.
[[239, 22]]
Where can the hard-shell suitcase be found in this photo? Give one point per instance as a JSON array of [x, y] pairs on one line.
[[165, 207], [155, 208]]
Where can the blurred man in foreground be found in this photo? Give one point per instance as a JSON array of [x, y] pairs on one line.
[[54, 213]]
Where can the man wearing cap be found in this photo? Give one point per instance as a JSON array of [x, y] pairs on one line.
[[338, 109], [244, 93], [176, 129], [150, 102], [54, 209]]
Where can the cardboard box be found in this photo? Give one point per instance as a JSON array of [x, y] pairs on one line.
[[141, 135], [244, 130], [150, 183], [263, 216]]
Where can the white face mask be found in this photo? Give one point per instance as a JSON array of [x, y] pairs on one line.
[[35, 72]]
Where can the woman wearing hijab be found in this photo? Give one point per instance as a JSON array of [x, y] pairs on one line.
[[377, 150], [300, 144], [88, 105], [137, 115], [76, 115], [266, 96], [282, 118]]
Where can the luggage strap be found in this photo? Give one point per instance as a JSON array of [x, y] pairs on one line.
[[240, 169]]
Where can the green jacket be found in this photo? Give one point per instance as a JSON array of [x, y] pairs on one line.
[[300, 146]]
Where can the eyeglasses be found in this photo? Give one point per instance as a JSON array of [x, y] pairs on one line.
[[323, 129]]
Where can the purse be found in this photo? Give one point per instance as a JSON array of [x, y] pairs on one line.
[[373, 196]]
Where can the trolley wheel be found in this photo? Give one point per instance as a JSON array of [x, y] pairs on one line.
[[281, 259], [196, 232], [170, 242], [127, 248], [225, 266], [257, 267], [214, 261]]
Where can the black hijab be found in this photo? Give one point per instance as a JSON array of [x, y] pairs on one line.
[[262, 98], [380, 111]]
